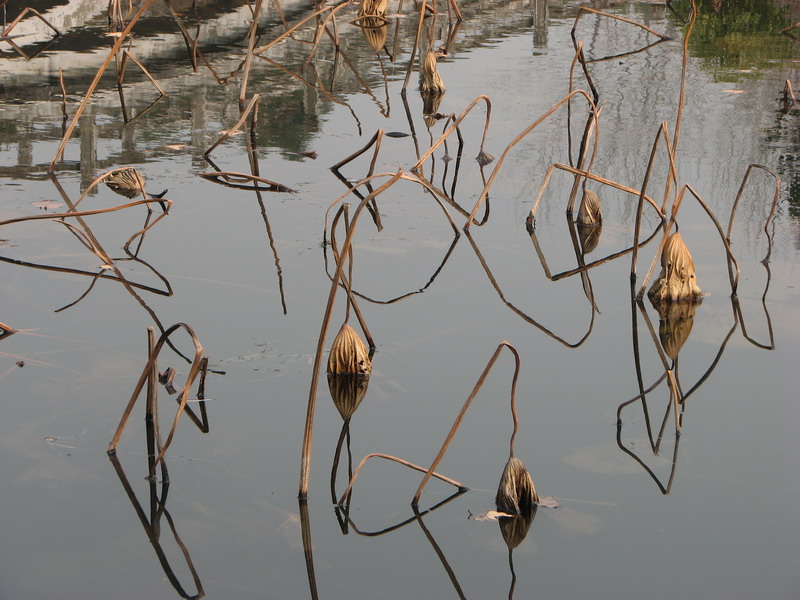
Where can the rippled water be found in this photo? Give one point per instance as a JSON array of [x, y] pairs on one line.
[[712, 514]]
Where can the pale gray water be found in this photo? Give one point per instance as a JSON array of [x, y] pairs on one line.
[[727, 528]]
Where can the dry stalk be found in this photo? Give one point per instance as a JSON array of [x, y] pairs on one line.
[[772, 208], [251, 43], [485, 193], [454, 127], [465, 407], [312, 395], [364, 460], [6, 33], [237, 180], [121, 72], [87, 96], [149, 369]]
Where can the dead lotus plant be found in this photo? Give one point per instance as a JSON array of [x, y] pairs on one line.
[[129, 182], [349, 354], [516, 493], [677, 280], [431, 80]]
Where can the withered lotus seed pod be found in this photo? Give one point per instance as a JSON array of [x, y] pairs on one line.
[[126, 182], [431, 80], [677, 280], [516, 491], [589, 210], [348, 353]]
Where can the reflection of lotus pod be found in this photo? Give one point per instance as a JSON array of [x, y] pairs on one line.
[[589, 236], [126, 182], [347, 391], [516, 491], [372, 8], [677, 279], [431, 80], [431, 101], [589, 210], [675, 325], [514, 529], [348, 353], [375, 31]]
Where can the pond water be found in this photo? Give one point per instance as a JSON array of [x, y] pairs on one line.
[[643, 512]]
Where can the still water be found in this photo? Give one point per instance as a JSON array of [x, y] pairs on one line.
[[712, 513]]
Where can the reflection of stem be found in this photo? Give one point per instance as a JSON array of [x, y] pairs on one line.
[[524, 316], [440, 554], [345, 434], [252, 154], [513, 574], [152, 529], [305, 524], [346, 512], [87, 96], [664, 490]]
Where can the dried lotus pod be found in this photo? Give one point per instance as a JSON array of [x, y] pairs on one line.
[[515, 529], [516, 492], [375, 31], [372, 8], [126, 182], [348, 353], [347, 391], [431, 80], [677, 280], [589, 211], [676, 320]]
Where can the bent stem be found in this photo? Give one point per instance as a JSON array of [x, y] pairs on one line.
[[312, 394], [466, 406], [405, 463]]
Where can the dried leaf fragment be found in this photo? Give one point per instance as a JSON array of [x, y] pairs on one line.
[[349, 353], [677, 280]]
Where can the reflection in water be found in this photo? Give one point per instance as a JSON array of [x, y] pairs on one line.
[[321, 85], [158, 510], [514, 530]]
